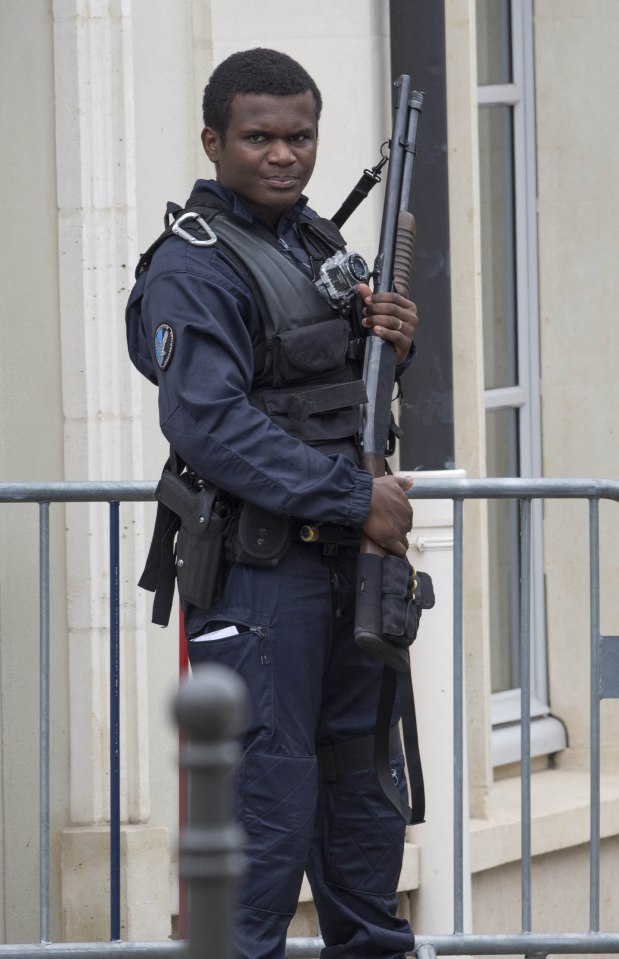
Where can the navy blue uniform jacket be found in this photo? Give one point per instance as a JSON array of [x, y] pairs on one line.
[[204, 408]]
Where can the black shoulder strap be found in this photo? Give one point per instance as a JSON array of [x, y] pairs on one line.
[[206, 205], [359, 192], [172, 211]]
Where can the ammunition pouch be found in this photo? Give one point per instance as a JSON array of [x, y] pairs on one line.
[[259, 537], [391, 595], [406, 592]]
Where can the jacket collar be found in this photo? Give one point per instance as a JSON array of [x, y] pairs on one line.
[[286, 221]]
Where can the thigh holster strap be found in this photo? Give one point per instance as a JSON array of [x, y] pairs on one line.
[[342, 759]]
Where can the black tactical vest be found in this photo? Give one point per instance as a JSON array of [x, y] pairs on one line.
[[307, 373]]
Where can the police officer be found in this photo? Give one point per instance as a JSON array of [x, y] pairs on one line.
[[258, 371]]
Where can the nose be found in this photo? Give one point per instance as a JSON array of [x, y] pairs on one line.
[[281, 153]]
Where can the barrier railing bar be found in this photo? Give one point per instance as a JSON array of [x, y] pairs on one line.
[[514, 488], [455, 944], [458, 708], [114, 724], [519, 944], [493, 488], [525, 711], [97, 950], [594, 607], [525, 944], [86, 491], [486, 488], [309, 947], [44, 723]]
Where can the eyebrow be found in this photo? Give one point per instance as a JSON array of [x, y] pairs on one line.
[[268, 131]]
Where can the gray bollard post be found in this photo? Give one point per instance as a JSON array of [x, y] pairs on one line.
[[212, 710]]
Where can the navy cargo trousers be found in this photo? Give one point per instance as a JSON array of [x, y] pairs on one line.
[[309, 685]]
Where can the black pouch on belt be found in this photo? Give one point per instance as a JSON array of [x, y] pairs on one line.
[[262, 538]]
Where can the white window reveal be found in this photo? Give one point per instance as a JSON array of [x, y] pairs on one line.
[[506, 99]]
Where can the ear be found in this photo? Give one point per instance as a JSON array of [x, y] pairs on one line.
[[211, 142]]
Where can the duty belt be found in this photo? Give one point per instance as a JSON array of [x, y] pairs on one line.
[[328, 534]]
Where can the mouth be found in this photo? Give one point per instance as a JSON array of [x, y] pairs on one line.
[[281, 182]]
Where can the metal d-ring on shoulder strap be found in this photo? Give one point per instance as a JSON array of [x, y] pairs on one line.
[[175, 217], [395, 682]]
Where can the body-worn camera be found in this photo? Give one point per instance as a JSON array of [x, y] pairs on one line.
[[340, 275]]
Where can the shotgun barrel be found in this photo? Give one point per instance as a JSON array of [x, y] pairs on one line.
[[392, 271]]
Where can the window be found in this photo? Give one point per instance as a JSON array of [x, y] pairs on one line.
[[511, 353]]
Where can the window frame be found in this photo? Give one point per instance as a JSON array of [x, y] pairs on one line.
[[519, 96]]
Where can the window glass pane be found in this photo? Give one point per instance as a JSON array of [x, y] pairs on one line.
[[494, 64], [503, 552], [497, 246]]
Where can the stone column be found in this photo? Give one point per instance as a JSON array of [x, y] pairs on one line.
[[95, 157]]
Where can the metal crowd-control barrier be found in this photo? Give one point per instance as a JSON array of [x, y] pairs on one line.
[[604, 684], [75, 492]]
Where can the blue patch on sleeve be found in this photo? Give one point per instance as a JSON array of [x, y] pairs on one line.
[[164, 345]]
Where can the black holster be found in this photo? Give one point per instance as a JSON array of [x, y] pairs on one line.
[[196, 515], [203, 517]]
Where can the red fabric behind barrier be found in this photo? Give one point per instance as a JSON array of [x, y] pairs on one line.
[[183, 668]]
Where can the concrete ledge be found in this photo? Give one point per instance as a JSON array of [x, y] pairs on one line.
[[560, 816]]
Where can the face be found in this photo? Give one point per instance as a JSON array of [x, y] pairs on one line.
[[269, 150]]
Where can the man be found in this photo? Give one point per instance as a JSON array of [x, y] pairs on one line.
[[259, 394]]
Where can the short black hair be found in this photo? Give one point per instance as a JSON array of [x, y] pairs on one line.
[[253, 71]]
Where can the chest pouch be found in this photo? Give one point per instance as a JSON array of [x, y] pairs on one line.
[[310, 350]]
